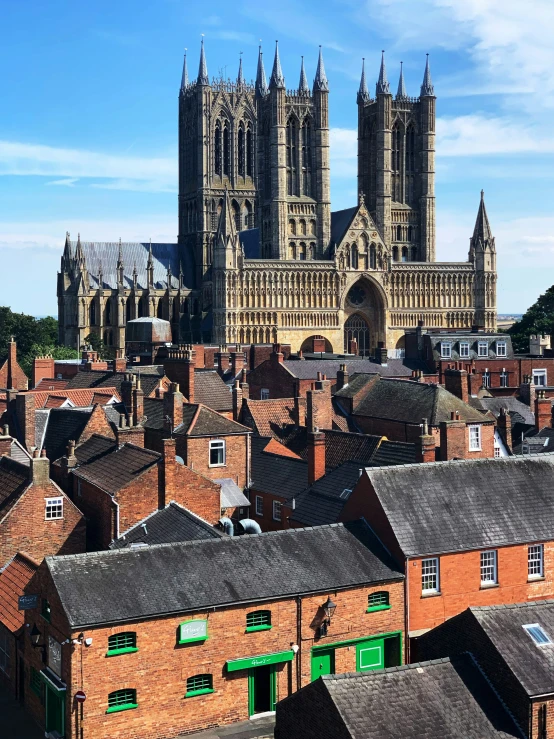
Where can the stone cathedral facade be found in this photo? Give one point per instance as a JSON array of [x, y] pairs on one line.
[[260, 255]]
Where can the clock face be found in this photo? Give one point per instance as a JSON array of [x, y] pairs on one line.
[[356, 295]]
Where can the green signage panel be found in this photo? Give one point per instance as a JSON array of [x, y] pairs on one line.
[[259, 661], [196, 630]]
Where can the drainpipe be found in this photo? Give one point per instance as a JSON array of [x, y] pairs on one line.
[[407, 614], [116, 504], [299, 641]]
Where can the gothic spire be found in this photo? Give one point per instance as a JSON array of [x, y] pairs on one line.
[[482, 231], [277, 80], [382, 87], [401, 92], [226, 231], [320, 81], [185, 75], [261, 83], [120, 268], [427, 89], [303, 87], [363, 92], [203, 78], [240, 76], [150, 261]]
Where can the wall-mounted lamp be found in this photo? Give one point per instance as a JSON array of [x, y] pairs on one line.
[[328, 609], [34, 636]]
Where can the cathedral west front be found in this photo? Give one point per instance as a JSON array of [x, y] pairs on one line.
[[260, 256]]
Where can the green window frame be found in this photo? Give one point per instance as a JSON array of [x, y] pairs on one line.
[[46, 611], [258, 621], [378, 601], [35, 682], [122, 700], [199, 685], [122, 643]]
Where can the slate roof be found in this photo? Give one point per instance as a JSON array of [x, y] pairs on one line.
[[210, 390], [198, 420], [103, 379], [340, 220], [93, 448], [14, 479], [342, 447], [446, 698], [63, 424], [307, 369], [112, 471], [276, 474], [535, 442], [532, 665], [172, 524], [13, 580], [231, 495], [467, 504], [455, 338], [193, 576], [408, 402]]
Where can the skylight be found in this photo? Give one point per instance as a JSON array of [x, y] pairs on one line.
[[537, 634]]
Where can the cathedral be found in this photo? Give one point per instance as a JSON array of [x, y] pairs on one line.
[[260, 256]]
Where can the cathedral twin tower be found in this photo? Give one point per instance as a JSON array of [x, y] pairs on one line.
[[260, 256]]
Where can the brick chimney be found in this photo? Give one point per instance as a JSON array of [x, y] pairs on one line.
[[342, 376], [475, 382], [39, 471], [543, 410], [527, 391], [456, 382], [25, 413], [12, 364], [119, 364], [426, 450], [453, 443], [316, 455], [237, 362], [179, 367], [127, 392], [173, 406], [237, 400], [5, 441], [43, 368], [138, 403], [504, 426], [168, 482], [319, 410], [126, 433], [277, 356], [222, 359], [381, 355]]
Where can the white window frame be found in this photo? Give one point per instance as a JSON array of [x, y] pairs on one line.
[[486, 378], [259, 505], [264, 393], [53, 506], [430, 568], [217, 444], [529, 627], [501, 349], [474, 444], [482, 348], [464, 349], [446, 350], [497, 450], [535, 564], [504, 378], [277, 512], [540, 374], [489, 568]]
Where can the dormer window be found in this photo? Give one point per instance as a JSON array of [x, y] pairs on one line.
[[482, 349], [501, 349], [464, 349], [446, 349]]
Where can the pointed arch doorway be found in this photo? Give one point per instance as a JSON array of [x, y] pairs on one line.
[[356, 328]]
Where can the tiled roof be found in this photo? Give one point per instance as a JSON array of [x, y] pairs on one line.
[[275, 447], [198, 420], [270, 416], [441, 699], [462, 505], [192, 576], [307, 369], [14, 479], [276, 474], [93, 448], [13, 580], [81, 398], [343, 447], [322, 503], [172, 524], [112, 472], [49, 384], [210, 390]]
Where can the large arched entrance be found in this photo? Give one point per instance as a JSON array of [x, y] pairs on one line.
[[364, 316], [356, 329]]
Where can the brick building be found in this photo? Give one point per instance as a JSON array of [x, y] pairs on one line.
[[12, 376], [226, 626], [513, 646]]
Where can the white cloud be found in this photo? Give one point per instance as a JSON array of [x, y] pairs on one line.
[[68, 182], [475, 135]]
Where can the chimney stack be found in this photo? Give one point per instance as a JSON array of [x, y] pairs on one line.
[[543, 410], [25, 412], [39, 471], [342, 376], [456, 382], [173, 406], [316, 455], [237, 400], [237, 362], [426, 451], [453, 442], [127, 392], [504, 426], [138, 403], [168, 486]]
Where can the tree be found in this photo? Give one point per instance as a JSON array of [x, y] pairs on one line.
[[539, 319], [97, 345]]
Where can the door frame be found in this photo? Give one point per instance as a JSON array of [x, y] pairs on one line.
[[252, 689], [59, 697], [316, 655]]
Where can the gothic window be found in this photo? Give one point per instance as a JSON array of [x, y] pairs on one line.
[[409, 233], [292, 156], [354, 257], [372, 263], [302, 251], [312, 227], [356, 329], [108, 313], [303, 227], [217, 149], [306, 158], [214, 216], [247, 215], [292, 226], [399, 233], [267, 162], [160, 309], [312, 253], [92, 314], [404, 253], [395, 163], [291, 250], [414, 254], [249, 152], [140, 308], [395, 254], [226, 150], [236, 214], [241, 150], [410, 164]]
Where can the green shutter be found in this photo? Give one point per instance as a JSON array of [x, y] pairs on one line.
[[378, 601], [122, 700], [122, 643], [199, 685], [258, 621]]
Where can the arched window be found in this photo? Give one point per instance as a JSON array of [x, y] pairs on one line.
[[354, 257], [292, 226], [306, 158], [108, 313], [249, 152], [92, 314], [312, 254], [410, 164], [302, 225], [226, 150], [236, 214], [409, 233], [217, 149], [372, 260], [395, 254], [292, 155], [199, 684], [395, 162], [240, 147], [312, 227], [414, 254], [291, 250], [356, 329], [160, 309], [378, 601], [302, 251], [120, 700], [404, 253]]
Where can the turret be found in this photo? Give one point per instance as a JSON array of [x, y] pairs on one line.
[[303, 87], [322, 157], [277, 80], [261, 83], [202, 78], [427, 178], [383, 153], [120, 267], [482, 252], [320, 82], [401, 93], [150, 267], [240, 75], [185, 75], [363, 92]]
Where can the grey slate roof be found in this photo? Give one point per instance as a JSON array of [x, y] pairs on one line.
[[343, 446], [172, 524], [231, 494], [323, 502], [276, 475], [441, 699], [532, 665], [535, 442], [192, 576], [63, 424], [462, 505], [208, 422], [111, 472], [340, 220], [307, 369], [14, 479], [473, 339], [99, 378], [210, 390]]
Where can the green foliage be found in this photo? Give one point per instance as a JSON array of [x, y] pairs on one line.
[[539, 319], [97, 345]]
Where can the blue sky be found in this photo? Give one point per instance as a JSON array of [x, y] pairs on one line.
[[88, 128]]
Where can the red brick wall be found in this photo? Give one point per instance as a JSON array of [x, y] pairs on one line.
[[97, 424], [100, 512], [197, 493], [43, 368], [274, 377], [535, 723], [25, 528], [195, 452], [266, 520]]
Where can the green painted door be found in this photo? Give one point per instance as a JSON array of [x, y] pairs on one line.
[[262, 689], [323, 663], [55, 708], [370, 655]]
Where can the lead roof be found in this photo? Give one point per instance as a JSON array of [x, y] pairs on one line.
[[193, 576]]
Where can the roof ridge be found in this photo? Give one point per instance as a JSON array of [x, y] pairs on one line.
[[485, 460], [373, 673], [509, 606]]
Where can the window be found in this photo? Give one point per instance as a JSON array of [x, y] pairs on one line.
[[259, 505], [36, 684], [497, 450], [198, 685], [122, 700], [258, 621], [446, 349], [54, 508], [501, 349], [276, 510], [430, 575], [264, 394], [475, 438], [122, 643], [535, 561], [45, 610], [486, 378], [542, 725], [537, 634], [488, 568], [504, 378], [5, 650], [378, 601], [539, 377], [217, 453], [482, 349], [464, 349]]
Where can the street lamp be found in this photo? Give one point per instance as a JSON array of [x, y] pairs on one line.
[[35, 638], [328, 609]]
